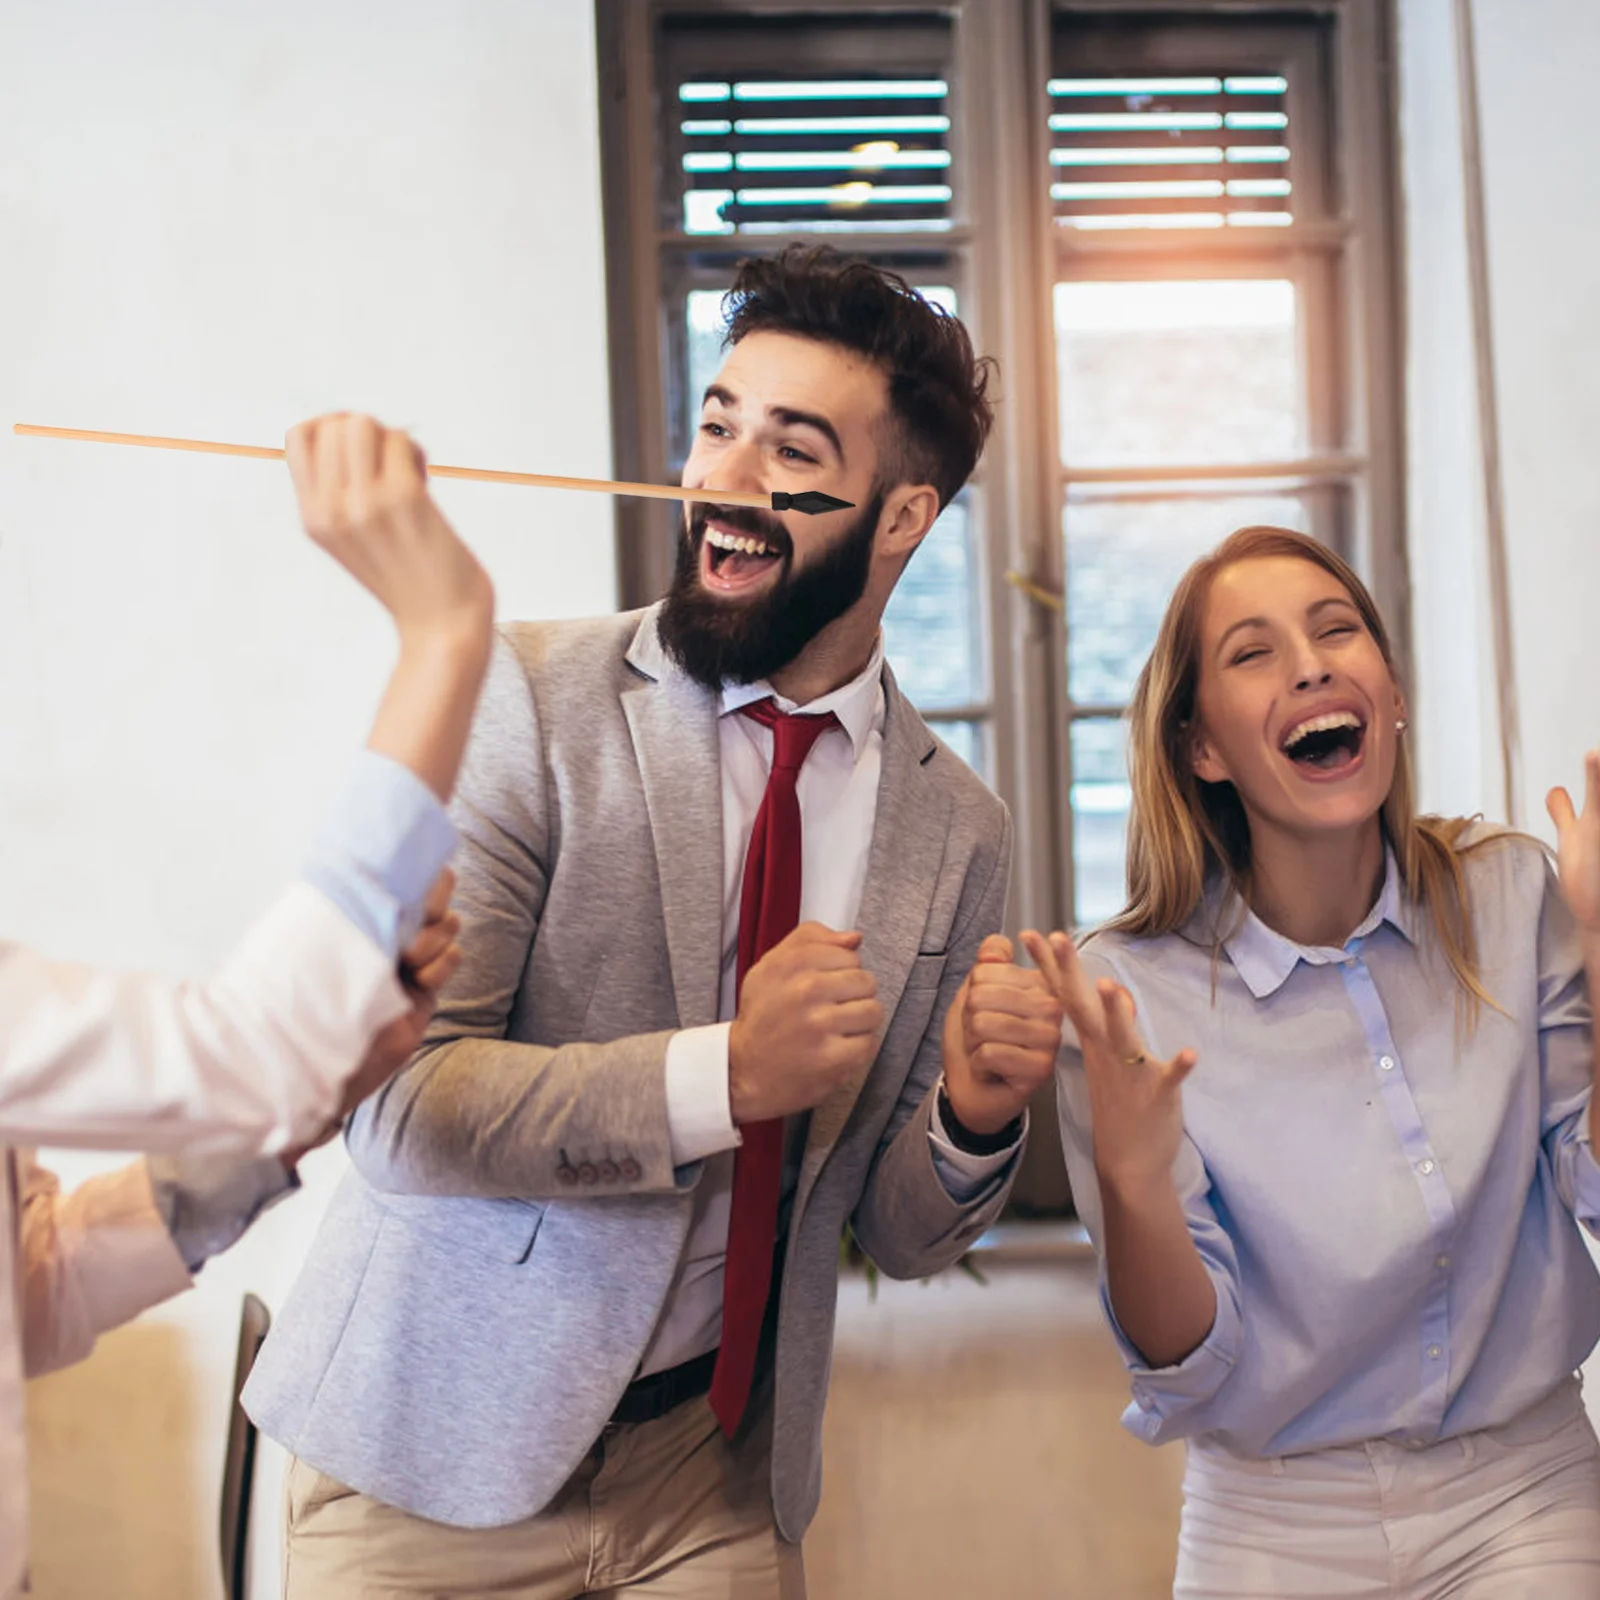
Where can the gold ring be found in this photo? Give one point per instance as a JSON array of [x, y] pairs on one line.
[[1135, 1061]]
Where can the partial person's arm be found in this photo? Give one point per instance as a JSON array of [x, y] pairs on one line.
[[127, 1240], [90, 1260], [476, 1113], [93, 1258], [1569, 979], [1170, 1277], [259, 1058], [926, 1201]]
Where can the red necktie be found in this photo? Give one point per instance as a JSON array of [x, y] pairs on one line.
[[769, 909]]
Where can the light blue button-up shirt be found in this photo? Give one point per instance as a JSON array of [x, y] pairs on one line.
[[1382, 1190]]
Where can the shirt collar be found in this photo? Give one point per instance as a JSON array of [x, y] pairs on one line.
[[858, 704], [1265, 958]]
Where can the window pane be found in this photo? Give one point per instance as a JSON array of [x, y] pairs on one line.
[[1099, 818], [933, 629], [1178, 372], [703, 315], [1124, 558], [969, 741]]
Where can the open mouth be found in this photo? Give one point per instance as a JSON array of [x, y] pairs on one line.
[[731, 561], [1326, 745]]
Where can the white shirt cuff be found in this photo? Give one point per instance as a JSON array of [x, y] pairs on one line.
[[966, 1176], [699, 1116]]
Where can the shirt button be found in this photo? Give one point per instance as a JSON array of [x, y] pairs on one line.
[[1386, 1062], [1434, 1352], [1425, 1167]]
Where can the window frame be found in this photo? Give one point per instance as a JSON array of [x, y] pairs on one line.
[[1006, 252]]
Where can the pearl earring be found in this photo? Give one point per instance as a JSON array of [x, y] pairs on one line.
[[1399, 724]]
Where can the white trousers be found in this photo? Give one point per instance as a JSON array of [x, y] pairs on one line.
[[1511, 1513]]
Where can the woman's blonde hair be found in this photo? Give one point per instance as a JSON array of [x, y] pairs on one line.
[[1182, 831]]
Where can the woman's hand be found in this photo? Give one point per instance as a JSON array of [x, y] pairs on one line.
[[1578, 847], [1135, 1100]]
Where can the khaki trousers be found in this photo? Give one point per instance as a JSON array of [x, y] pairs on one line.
[[663, 1510]]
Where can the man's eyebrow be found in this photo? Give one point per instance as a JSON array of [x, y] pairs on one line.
[[788, 417], [723, 397]]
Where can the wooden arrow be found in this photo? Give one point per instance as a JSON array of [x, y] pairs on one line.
[[811, 501]]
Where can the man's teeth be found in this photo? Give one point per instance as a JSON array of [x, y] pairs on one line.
[[732, 541], [1324, 724]]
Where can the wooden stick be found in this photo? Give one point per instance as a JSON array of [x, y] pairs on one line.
[[810, 501]]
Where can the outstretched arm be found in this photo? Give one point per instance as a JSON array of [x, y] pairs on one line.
[[260, 1057]]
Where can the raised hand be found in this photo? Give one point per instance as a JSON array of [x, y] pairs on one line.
[[1578, 847], [1135, 1100], [1001, 1035], [363, 492], [808, 1022], [364, 498]]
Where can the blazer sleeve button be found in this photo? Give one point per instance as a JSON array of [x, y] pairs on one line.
[[587, 1173], [608, 1172], [631, 1170]]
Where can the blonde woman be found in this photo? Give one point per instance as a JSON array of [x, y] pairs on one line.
[[1327, 1116]]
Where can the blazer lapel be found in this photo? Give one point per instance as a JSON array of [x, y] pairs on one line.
[[673, 722], [909, 829]]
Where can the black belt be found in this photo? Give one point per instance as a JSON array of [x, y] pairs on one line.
[[657, 1393]]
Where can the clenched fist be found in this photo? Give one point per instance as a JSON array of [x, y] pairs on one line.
[[1001, 1036], [808, 1021]]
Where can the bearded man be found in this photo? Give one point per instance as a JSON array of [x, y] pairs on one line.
[[732, 978]]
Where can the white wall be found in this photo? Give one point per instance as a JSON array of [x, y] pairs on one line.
[[1541, 192], [215, 221], [1455, 727]]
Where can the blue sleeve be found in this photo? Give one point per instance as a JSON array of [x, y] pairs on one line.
[[1566, 1057], [380, 849], [207, 1202]]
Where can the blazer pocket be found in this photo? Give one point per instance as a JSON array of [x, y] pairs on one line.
[[927, 971], [503, 1230]]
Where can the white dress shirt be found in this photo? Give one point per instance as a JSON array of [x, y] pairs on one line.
[[838, 794], [253, 1060]]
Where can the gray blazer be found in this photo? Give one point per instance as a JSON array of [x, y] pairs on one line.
[[488, 1276]]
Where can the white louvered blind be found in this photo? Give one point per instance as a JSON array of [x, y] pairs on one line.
[[819, 151], [1170, 152]]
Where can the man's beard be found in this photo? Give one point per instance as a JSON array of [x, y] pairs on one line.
[[719, 641]]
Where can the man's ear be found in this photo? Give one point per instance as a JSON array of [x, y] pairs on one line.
[[908, 512], [1203, 760]]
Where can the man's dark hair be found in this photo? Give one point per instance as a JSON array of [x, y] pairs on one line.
[[939, 405]]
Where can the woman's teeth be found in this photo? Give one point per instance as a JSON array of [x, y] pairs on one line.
[[1329, 723]]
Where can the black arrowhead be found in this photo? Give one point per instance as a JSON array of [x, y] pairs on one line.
[[811, 501]]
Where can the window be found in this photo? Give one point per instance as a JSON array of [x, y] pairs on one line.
[[1169, 222]]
